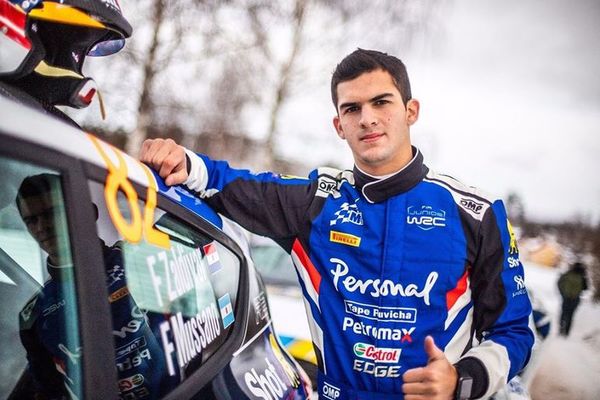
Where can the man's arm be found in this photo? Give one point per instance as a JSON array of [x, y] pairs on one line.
[[265, 203], [501, 307]]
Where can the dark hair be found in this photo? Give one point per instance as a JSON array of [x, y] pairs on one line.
[[36, 185], [360, 61]]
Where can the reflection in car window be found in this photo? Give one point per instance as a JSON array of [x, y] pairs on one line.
[[172, 304], [41, 351]]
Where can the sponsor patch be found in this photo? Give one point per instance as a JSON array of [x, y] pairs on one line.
[[226, 310], [344, 238], [520, 282], [330, 392], [388, 314], [212, 257], [131, 382], [130, 347], [472, 205], [118, 294], [347, 213], [376, 354], [425, 217]]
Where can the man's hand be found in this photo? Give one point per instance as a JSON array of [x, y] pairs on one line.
[[167, 158], [436, 381]]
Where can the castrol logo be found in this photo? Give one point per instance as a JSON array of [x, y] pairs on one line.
[[377, 354]]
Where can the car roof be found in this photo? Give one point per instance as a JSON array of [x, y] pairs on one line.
[[29, 125]]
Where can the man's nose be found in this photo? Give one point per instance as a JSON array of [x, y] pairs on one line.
[[368, 118]]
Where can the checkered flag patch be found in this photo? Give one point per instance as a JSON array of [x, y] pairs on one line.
[[347, 213]]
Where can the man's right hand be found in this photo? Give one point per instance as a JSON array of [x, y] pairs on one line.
[[167, 158]]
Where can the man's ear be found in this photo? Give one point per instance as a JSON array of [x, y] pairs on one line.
[[338, 127], [412, 111]]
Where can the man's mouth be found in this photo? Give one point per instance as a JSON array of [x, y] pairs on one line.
[[371, 137]]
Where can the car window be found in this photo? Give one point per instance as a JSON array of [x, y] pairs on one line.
[[274, 264], [172, 291], [41, 351]]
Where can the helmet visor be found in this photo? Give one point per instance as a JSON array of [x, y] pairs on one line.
[[106, 48]]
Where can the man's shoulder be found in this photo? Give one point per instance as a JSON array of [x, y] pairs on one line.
[[474, 201], [329, 180]]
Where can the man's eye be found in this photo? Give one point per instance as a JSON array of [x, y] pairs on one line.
[[381, 102], [350, 110]]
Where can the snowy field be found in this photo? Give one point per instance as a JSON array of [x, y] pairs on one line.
[[565, 368]]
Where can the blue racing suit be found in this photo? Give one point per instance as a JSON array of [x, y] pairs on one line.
[[383, 263], [48, 324]]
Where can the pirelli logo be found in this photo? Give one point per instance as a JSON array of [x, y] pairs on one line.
[[118, 294], [344, 238]]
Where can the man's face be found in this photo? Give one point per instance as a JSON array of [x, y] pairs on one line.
[[374, 121], [39, 215]]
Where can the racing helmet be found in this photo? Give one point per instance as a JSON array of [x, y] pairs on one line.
[[43, 44]]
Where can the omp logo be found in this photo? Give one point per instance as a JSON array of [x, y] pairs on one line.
[[344, 238], [513, 249], [327, 186], [425, 217], [377, 287], [330, 392], [348, 213], [377, 354], [139, 318], [472, 205]]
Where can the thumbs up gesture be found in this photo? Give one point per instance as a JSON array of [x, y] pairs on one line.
[[437, 380]]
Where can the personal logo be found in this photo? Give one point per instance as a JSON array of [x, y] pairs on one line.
[[344, 238], [377, 354], [426, 217], [472, 205], [378, 287], [347, 213], [212, 257], [513, 249], [226, 310]]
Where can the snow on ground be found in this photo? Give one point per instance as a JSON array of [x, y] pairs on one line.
[[565, 368]]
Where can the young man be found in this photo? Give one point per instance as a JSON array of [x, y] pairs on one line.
[[411, 280]]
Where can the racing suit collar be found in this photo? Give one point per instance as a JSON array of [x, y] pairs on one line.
[[377, 189]]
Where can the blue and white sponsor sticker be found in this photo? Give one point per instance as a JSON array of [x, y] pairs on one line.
[[226, 310], [212, 257]]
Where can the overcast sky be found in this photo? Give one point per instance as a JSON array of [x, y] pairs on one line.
[[510, 101]]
